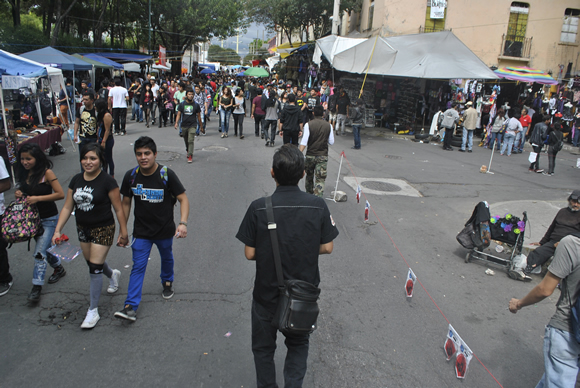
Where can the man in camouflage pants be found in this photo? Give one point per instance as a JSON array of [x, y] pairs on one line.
[[316, 137]]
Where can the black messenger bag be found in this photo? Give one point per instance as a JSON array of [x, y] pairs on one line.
[[297, 310]]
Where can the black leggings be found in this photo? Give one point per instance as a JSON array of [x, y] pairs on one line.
[[239, 123], [552, 159], [109, 156]]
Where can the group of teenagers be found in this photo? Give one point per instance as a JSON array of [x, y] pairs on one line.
[[94, 198]]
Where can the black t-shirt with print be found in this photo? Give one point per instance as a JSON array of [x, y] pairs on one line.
[[189, 113], [342, 103], [88, 125], [153, 202], [91, 199]]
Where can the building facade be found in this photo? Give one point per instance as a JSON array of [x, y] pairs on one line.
[[541, 34]]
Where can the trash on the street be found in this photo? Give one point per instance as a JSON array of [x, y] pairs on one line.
[[229, 333], [483, 169], [489, 272], [499, 248], [339, 197], [127, 266]]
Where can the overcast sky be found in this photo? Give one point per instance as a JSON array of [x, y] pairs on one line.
[[254, 31]]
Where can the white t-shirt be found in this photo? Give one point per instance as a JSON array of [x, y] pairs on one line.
[[3, 175], [119, 95], [306, 135], [154, 90]]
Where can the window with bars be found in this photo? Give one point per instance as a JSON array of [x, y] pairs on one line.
[[570, 25], [516, 32]]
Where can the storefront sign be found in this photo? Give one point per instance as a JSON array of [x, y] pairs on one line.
[[438, 9]]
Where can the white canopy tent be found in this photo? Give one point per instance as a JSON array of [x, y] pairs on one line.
[[161, 67], [132, 67], [436, 55], [272, 61]]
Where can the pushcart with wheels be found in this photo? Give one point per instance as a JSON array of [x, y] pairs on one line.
[[509, 230]]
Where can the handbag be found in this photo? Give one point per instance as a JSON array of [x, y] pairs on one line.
[[297, 310]]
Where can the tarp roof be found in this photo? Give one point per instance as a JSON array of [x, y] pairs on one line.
[[123, 57], [96, 64], [436, 55], [55, 58], [132, 66], [105, 61], [11, 64], [161, 67], [208, 65]]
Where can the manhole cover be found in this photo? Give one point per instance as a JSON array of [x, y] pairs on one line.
[[167, 156], [381, 186], [393, 157], [214, 148]]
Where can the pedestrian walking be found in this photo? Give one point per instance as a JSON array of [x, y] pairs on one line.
[[357, 115], [555, 144], [561, 349], [270, 105], [105, 137], [291, 122], [91, 195], [342, 107], [118, 97], [258, 113], [200, 99], [162, 102], [155, 189], [137, 89], [147, 102], [450, 119], [86, 122], [188, 118], [539, 135], [469, 124], [318, 135], [496, 129], [155, 91], [526, 121], [305, 230], [239, 113], [38, 184], [226, 103]]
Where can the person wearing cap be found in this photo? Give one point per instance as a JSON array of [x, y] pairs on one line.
[[566, 222], [469, 123]]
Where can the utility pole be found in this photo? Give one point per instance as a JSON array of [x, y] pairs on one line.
[[149, 48], [237, 43], [335, 16]]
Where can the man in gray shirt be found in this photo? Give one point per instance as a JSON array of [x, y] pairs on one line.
[[450, 119], [561, 350]]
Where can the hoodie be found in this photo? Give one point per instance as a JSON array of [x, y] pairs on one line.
[[290, 118]]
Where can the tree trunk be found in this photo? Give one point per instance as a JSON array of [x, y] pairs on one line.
[[98, 31], [15, 9], [58, 20]]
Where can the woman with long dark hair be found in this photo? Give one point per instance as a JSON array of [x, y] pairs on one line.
[[91, 195], [105, 138], [239, 112], [39, 185], [226, 101], [147, 102]]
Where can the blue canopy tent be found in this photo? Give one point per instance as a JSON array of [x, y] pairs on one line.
[[11, 64], [123, 57], [103, 60], [207, 65], [207, 70], [55, 58]]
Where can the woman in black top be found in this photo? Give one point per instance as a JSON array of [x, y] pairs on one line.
[[147, 102], [39, 185], [226, 102], [105, 138], [555, 136], [91, 194]]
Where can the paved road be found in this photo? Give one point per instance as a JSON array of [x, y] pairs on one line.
[[370, 335]]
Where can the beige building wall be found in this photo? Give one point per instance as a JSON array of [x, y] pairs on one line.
[[480, 25]]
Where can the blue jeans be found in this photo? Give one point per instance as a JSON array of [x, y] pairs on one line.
[[356, 132], [136, 112], [576, 137], [495, 136], [202, 121], [42, 244], [508, 142], [264, 347], [561, 352], [225, 119], [141, 251], [467, 139], [519, 142]]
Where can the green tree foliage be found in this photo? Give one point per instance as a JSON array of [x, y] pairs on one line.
[[225, 56], [297, 16]]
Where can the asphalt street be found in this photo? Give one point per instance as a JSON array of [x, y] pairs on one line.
[[370, 334]]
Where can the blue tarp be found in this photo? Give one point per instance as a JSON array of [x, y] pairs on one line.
[[105, 61], [207, 71], [125, 57], [11, 64], [53, 57], [207, 65]]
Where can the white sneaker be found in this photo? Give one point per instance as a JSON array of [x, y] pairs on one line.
[[114, 282], [91, 319]]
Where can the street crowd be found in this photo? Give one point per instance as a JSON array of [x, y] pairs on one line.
[[305, 120]]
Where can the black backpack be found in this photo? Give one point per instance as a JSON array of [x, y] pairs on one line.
[[559, 144]]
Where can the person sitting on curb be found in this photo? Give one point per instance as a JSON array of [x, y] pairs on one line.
[[567, 221]]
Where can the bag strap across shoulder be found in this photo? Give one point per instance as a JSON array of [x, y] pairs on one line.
[[274, 238]]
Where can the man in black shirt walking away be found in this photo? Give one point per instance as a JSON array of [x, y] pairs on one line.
[[305, 230]]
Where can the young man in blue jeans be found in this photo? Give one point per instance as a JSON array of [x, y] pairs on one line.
[[155, 189]]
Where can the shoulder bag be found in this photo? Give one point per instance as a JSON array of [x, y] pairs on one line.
[[297, 305]]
